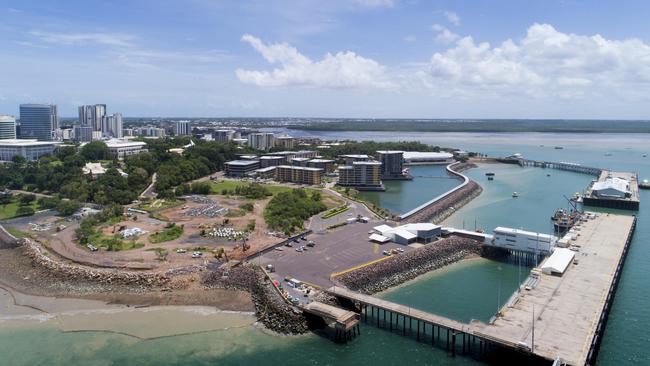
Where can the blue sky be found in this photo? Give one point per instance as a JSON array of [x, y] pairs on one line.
[[335, 58]]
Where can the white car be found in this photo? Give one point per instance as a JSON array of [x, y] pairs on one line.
[[197, 255], [181, 250]]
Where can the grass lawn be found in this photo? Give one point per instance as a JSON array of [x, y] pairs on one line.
[[113, 243], [18, 233], [8, 211], [217, 187], [166, 234]]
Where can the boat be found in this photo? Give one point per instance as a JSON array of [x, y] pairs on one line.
[[564, 220], [608, 154], [559, 148], [558, 214], [644, 155], [515, 194], [644, 184], [548, 175]]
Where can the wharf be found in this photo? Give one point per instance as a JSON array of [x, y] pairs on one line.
[[628, 203], [569, 311]]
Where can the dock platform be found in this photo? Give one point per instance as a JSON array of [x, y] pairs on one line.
[[558, 318], [627, 203], [570, 310]]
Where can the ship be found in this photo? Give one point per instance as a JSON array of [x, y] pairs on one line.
[[564, 220], [644, 184], [515, 194]]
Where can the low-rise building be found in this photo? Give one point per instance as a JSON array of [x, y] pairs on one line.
[[123, 148], [405, 234], [326, 164], [298, 174], [241, 168], [351, 158], [522, 240], [300, 161], [29, 149], [417, 157], [266, 161], [264, 173], [362, 175]]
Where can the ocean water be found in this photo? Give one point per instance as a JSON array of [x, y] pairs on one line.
[[471, 290]]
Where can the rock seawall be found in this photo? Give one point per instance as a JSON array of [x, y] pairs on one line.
[[407, 266], [65, 271], [445, 207], [270, 307]]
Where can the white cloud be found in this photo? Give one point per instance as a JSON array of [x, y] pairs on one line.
[[376, 3], [344, 70], [444, 36], [452, 17], [109, 39], [546, 62], [410, 39]]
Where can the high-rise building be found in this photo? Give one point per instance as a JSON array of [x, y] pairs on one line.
[[261, 141], [113, 125], [182, 128], [93, 116], [38, 121], [223, 135], [7, 127], [392, 164]]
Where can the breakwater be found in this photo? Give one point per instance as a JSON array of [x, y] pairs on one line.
[[270, 308], [407, 266], [443, 206]]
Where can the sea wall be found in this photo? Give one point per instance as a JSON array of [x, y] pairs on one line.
[[446, 204], [407, 266], [72, 272], [271, 309]]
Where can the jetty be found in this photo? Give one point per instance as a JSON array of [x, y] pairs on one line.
[[572, 167], [558, 318]]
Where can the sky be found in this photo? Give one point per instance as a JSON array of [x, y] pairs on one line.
[[554, 59]]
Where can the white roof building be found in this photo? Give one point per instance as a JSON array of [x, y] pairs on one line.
[[558, 262], [122, 148], [29, 149], [426, 157], [405, 234], [614, 187]]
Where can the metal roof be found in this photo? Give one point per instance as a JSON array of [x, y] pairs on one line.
[[558, 261]]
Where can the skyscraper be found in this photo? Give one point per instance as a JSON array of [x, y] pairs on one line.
[[113, 125], [37, 121], [182, 128], [93, 116], [7, 127]]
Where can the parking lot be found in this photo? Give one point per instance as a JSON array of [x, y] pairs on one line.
[[335, 251]]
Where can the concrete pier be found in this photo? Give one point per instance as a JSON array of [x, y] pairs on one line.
[[554, 318], [627, 203]]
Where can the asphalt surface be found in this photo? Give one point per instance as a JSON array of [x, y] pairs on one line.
[[335, 251]]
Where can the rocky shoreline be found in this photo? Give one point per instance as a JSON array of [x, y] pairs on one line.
[[270, 308], [407, 266]]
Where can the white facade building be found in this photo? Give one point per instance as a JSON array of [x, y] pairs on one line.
[[415, 157], [521, 240], [261, 141], [29, 149], [123, 148], [182, 128]]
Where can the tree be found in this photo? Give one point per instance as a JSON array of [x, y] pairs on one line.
[[95, 150], [24, 211], [67, 207], [26, 199]]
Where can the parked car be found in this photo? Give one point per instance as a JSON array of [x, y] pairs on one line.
[[311, 244], [181, 250], [288, 244], [197, 255]]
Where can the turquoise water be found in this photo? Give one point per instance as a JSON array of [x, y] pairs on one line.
[[465, 291], [404, 195]]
